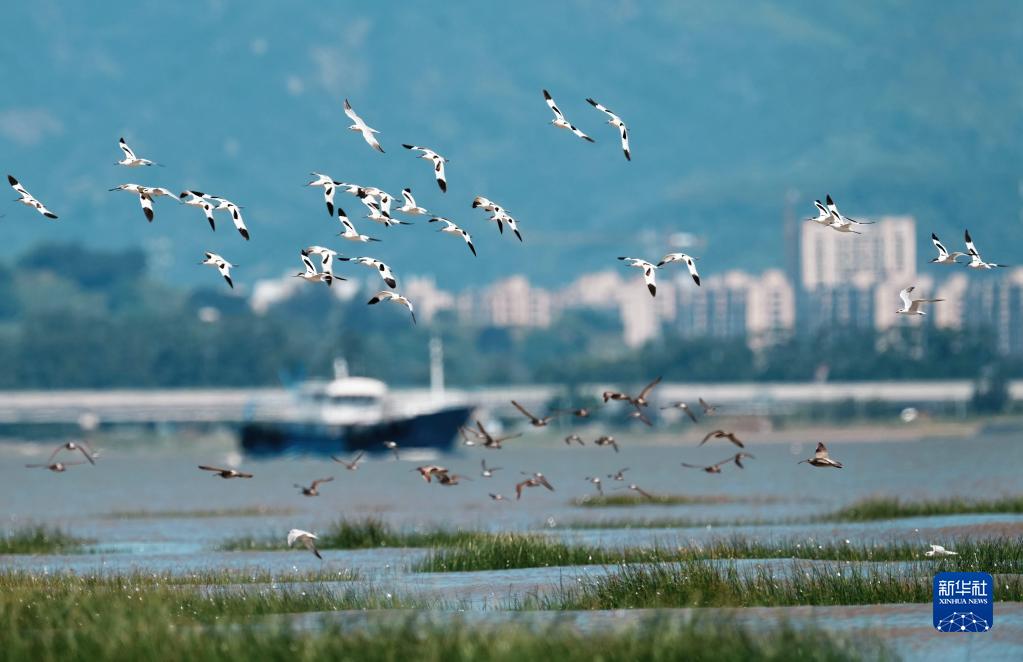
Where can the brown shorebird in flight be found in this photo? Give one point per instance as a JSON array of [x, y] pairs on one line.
[[638, 414], [606, 440], [574, 438], [74, 446], [618, 475], [497, 497], [469, 435], [684, 407], [487, 472], [446, 478], [533, 420], [55, 467], [716, 468], [721, 434], [225, 473], [393, 447], [596, 483], [490, 441], [582, 412], [306, 538], [535, 480], [708, 409], [821, 458], [637, 401], [314, 488], [351, 465], [615, 395], [636, 488], [429, 470]]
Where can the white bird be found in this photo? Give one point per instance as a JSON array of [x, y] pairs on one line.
[[363, 128], [222, 265], [327, 256], [379, 215], [912, 306], [938, 550], [306, 538], [378, 266], [839, 220], [146, 195], [820, 458], [350, 233], [385, 295], [236, 215], [310, 274], [202, 201], [559, 119], [505, 217], [451, 228], [823, 216], [944, 257], [682, 257], [499, 214], [27, 199], [410, 206], [616, 122], [975, 260], [648, 272], [329, 185], [130, 160], [438, 164], [486, 204]]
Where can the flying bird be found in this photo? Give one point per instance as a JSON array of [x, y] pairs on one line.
[[839, 219], [721, 434], [327, 256], [618, 475], [912, 306], [74, 446], [716, 468], [684, 407], [490, 441], [648, 272], [393, 447], [382, 269], [486, 471], [438, 164], [202, 201], [329, 186], [944, 257], [975, 260], [55, 467], [236, 215], [428, 471], [146, 195], [581, 412], [821, 458], [535, 480], [312, 275], [682, 257], [385, 295], [363, 128], [222, 265], [350, 233], [306, 538], [533, 420], [451, 228], [351, 465], [708, 409], [597, 483], [616, 122], [606, 440], [574, 438], [640, 416], [27, 199], [449, 479], [314, 488], [130, 160], [823, 216], [410, 207], [636, 488], [225, 473], [559, 119]]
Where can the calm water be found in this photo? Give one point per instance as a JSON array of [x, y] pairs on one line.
[[162, 476]]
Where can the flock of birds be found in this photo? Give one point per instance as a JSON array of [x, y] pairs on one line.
[[319, 267]]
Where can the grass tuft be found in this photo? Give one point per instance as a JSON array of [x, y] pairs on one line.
[[367, 533], [39, 540], [880, 508]]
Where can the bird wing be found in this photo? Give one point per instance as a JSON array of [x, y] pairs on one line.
[[904, 295], [409, 200], [130, 155], [553, 106], [651, 279], [16, 185], [524, 412], [942, 251], [603, 109], [822, 451], [438, 171], [544, 482], [319, 481], [352, 116], [649, 387], [147, 205], [310, 268], [735, 440], [206, 467], [691, 264], [624, 131], [712, 435]]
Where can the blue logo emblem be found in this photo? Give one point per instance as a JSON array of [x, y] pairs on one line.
[[964, 602]]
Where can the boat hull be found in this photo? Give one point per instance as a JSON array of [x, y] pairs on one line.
[[437, 430]]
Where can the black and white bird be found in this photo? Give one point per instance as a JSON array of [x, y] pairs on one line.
[[944, 257], [975, 260], [236, 214], [202, 201], [821, 458], [842, 223], [682, 257], [130, 160], [27, 199], [394, 297], [451, 228], [649, 270], [616, 122], [438, 164], [146, 195], [498, 213], [363, 128], [312, 275], [350, 233], [378, 214], [504, 217], [410, 207], [912, 306], [327, 256], [376, 265], [306, 538], [559, 118], [486, 204], [329, 186], [222, 265], [823, 216]]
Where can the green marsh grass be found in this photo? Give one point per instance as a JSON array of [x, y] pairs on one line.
[[881, 508], [39, 540], [621, 500], [13, 579], [705, 584], [359, 534], [245, 511]]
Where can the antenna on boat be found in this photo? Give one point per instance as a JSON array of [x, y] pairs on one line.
[[436, 368], [340, 368]]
